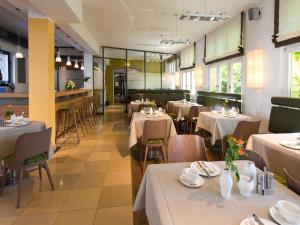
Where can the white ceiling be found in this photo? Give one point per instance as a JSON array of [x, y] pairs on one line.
[[139, 24], [135, 24]]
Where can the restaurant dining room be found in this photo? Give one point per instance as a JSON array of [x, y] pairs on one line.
[[149, 112]]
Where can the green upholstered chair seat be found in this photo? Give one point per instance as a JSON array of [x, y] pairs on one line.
[[155, 141], [28, 161]]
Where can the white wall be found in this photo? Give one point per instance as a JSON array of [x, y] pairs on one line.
[[258, 34]]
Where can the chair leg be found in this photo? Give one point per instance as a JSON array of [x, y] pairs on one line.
[[4, 177], [20, 183], [88, 117], [49, 174], [80, 122], [40, 172], [145, 159], [84, 119], [75, 122], [164, 153]]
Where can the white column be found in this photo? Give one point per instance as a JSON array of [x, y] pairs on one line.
[[88, 69]]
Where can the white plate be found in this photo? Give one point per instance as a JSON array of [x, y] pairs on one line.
[[291, 144], [183, 180], [265, 222], [230, 116], [18, 124], [278, 218], [215, 170]]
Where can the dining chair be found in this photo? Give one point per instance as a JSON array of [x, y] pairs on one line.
[[30, 153], [256, 158], [150, 105], [186, 148], [243, 131], [192, 118], [292, 183], [154, 136], [202, 132]]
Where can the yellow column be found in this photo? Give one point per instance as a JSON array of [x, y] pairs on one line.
[[41, 72]]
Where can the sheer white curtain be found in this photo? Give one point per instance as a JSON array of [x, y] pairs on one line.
[[224, 41], [289, 20]]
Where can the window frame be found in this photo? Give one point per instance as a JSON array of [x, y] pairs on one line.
[[287, 67], [218, 65], [9, 63]]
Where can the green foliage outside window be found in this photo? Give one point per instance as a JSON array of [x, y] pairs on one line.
[[295, 76], [237, 78], [224, 72]]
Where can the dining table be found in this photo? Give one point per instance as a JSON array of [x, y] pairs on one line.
[[277, 156], [134, 106], [219, 125], [168, 202], [180, 108], [137, 126], [9, 136]]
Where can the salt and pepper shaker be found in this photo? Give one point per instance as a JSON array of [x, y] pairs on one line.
[[265, 183], [2, 122]]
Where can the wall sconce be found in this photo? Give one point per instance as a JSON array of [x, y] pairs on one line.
[[199, 77], [177, 79], [255, 68]]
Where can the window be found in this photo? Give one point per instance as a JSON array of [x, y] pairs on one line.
[[171, 67], [188, 82], [213, 79], [4, 65], [236, 79], [226, 77], [294, 68]]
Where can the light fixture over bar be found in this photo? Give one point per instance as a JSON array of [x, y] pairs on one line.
[[175, 42], [202, 17]]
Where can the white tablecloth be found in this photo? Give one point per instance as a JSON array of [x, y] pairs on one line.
[[180, 108], [134, 106], [168, 202], [9, 136], [277, 156], [218, 125], [137, 126]]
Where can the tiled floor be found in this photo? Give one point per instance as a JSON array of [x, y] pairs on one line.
[[92, 181]]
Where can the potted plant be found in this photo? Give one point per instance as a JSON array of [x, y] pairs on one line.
[[235, 150], [70, 85]]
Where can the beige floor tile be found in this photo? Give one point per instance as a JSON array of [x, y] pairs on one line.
[[66, 168], [81, 217], [116, 196], [99, 156], [8, 220], [117, 178], [119, 154], [61, 182], [90, 180], [82, 199], [46, 202], [37, 219], [114, 216], [119, 164], [105, 148], [98, 166], [8, 205]]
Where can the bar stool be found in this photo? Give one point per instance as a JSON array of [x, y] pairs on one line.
[[73, 117], [61, 118], [85, 111]]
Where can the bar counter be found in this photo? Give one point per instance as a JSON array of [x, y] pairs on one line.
[[19, 101]]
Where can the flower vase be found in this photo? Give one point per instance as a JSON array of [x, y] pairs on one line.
[[226, 184]]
